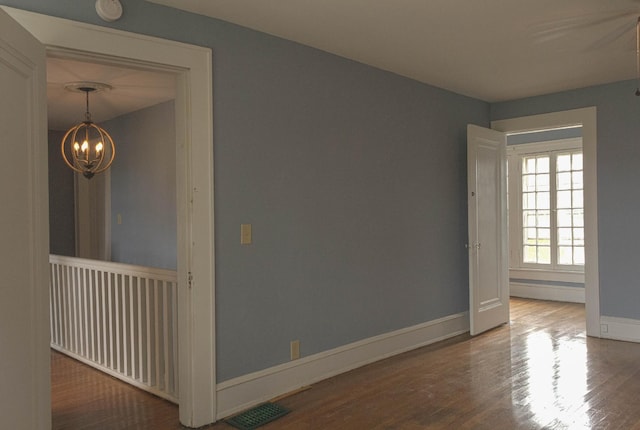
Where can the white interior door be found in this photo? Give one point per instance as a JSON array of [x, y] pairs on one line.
[[488, 242], [24, 231]]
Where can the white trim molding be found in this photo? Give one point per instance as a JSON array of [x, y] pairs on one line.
[[547, 275], [547, 292], [249, 390], [626, 329]]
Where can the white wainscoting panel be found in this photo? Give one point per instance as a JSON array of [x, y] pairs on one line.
[[547, 292], [249, 390]]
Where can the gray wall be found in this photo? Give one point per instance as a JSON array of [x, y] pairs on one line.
[[618, 113], [62, 228], [354, 180], [143, 187]]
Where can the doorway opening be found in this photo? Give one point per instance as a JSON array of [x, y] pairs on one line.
[[116, 311], [546, 214], [586, 119]]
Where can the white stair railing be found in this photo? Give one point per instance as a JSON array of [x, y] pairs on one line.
[[118, 318]]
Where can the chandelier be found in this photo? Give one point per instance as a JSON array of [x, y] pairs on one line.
[[87, 148]]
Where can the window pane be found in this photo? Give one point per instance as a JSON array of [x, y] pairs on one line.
[[544, 236], [529, 219], [577, 199], [543, 200], [528, 183], [578, 255], [563, 163], [578, 218], [565, 237], [563, 199], [529, 254], [577, 180], [529, 165], [542, 182], [578, 236], [543, 219], [577, 161], [564, 217], [543, 165], [564, 180], [529, 201], [530, 236], [544, 255], [565, 255]]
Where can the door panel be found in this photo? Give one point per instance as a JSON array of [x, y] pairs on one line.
[[488, 241], [24, 238]]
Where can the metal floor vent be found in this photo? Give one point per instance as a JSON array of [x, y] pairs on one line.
[[258, 416]]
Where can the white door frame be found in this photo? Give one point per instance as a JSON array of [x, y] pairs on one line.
[[587, 117], [194, 166]]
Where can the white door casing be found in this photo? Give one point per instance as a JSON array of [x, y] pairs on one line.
[[24, 251], [488, 240], [194, 167]]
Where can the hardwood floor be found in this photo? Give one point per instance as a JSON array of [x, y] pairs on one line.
[[540, 372]]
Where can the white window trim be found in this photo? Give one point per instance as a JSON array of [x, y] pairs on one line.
[[518, 269]]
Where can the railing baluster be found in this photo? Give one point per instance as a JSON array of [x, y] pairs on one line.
[[85, 312], [140, 330], [103, 326], [165, 332], [92, 290], [110, 318], [174, 338], [148, 339], [118, 318], [157, 328]]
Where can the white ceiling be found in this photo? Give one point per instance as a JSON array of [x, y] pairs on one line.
[[492, 50], [132, 90]]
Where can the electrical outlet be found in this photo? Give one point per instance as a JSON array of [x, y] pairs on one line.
[[295, 349]]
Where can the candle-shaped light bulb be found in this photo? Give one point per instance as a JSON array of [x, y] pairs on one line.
[[85, 150], [99, 147]]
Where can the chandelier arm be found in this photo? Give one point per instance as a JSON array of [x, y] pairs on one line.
[[112, 150]]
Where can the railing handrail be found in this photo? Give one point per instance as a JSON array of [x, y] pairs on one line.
[[118, 268]]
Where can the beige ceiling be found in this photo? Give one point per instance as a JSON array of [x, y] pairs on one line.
[[132, 90], [488, 49]]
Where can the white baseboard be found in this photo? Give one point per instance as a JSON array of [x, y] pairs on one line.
[[547, 292], [249, 390], [620, 329]]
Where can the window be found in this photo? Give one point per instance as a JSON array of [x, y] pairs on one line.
[[546, 207]]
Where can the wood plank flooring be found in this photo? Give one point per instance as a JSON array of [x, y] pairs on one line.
[[540, 372]]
